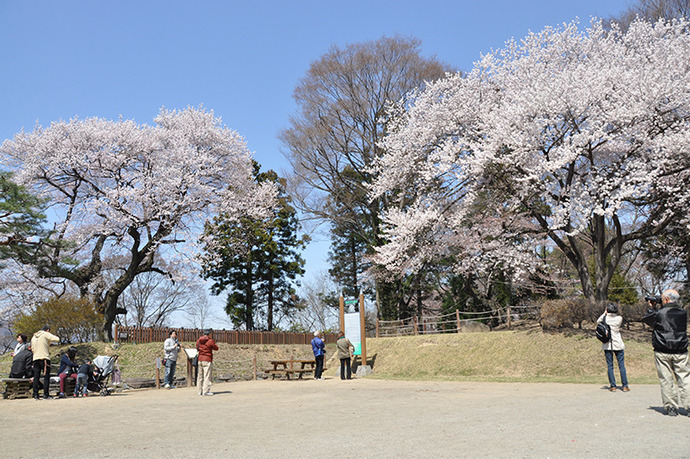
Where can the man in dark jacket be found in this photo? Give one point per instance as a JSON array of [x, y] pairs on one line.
[[205, 346], [22, 364], [670, 341]]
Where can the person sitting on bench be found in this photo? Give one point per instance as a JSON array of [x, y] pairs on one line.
[[22, 364], [68, 369]]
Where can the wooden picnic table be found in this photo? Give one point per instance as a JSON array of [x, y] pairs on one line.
[[287, 367]]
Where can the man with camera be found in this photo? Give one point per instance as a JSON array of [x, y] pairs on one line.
[[670, 341]]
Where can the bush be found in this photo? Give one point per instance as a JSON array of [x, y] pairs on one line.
[[72, 319], [556, 314]]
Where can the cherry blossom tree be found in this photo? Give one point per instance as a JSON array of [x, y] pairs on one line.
[[133, 193], [573, 138]]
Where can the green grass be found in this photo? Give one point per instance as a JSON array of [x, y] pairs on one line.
[[505, 356], [499, 356]]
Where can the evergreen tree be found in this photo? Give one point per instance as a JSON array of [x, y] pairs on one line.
[[20, 218], [256, 261]]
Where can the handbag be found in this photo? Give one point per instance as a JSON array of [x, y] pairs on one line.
[[603, 331]]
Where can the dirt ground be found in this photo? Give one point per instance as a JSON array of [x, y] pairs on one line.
[[358, 418]]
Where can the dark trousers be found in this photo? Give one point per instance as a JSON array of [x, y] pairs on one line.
[[40, 366], [345, 363], [319, 366]]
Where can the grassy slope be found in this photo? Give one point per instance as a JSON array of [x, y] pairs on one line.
[[505, 356], [520, 356]]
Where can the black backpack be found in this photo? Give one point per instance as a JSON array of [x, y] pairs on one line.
[[603, 331]]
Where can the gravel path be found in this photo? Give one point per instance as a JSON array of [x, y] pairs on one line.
[[358, 418]]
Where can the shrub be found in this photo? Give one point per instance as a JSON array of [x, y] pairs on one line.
[[72, 319]]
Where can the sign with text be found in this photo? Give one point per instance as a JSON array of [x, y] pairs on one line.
[[352, 331]]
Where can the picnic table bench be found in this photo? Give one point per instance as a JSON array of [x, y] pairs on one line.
[[23, 387], [287, 367], [17, 388]]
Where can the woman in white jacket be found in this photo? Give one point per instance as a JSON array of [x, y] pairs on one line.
[[615, 346]]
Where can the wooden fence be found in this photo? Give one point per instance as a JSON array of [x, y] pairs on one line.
[[158, 334]]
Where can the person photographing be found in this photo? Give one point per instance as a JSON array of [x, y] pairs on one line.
[[614, 346], [670, 341]]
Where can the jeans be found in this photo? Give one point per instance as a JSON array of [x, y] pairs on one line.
[[319, 366], [343, 363], [64, 376], [170, 366], [620, 356], [82, 381]]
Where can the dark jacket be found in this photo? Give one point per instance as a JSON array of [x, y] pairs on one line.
[[22, 365], [66, 365], [85, 369], [670, 325], [206, 346]]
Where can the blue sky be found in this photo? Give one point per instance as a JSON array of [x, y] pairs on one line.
[[242, 59]]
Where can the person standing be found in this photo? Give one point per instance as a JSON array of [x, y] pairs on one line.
[[345, 350], [85, 370], [615, 346], [670, 342], [205, 346], [40, 344], [68, 369], [319, 349], [171, 347]]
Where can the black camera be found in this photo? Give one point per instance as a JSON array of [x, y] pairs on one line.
[[653, 299]]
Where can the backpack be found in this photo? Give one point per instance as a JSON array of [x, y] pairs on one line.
[[603, 331]]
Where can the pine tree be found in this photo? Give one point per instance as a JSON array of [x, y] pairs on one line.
[[257, 261]]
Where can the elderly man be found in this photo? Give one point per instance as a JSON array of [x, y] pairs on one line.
[[670, 341], [319, 349]]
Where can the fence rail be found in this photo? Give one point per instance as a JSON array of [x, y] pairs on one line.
[[453, 322], [157, 334]]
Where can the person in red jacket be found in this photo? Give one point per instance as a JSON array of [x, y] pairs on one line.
[[205, 346]]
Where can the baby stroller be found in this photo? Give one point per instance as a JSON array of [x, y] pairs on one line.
[[104, 366]]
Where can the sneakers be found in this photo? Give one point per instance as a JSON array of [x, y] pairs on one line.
[[626, 389], [671, 411], [167, 386], [612, 388], [208, 393], [61, 395]]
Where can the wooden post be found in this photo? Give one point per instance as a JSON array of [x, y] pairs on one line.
[[190, 371], [377, 327], [416, 325], [158, 372], [363, 328], [342, 312], [457, 321], [508, 318]]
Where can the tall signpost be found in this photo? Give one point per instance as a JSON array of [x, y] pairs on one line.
[[354, 326]]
